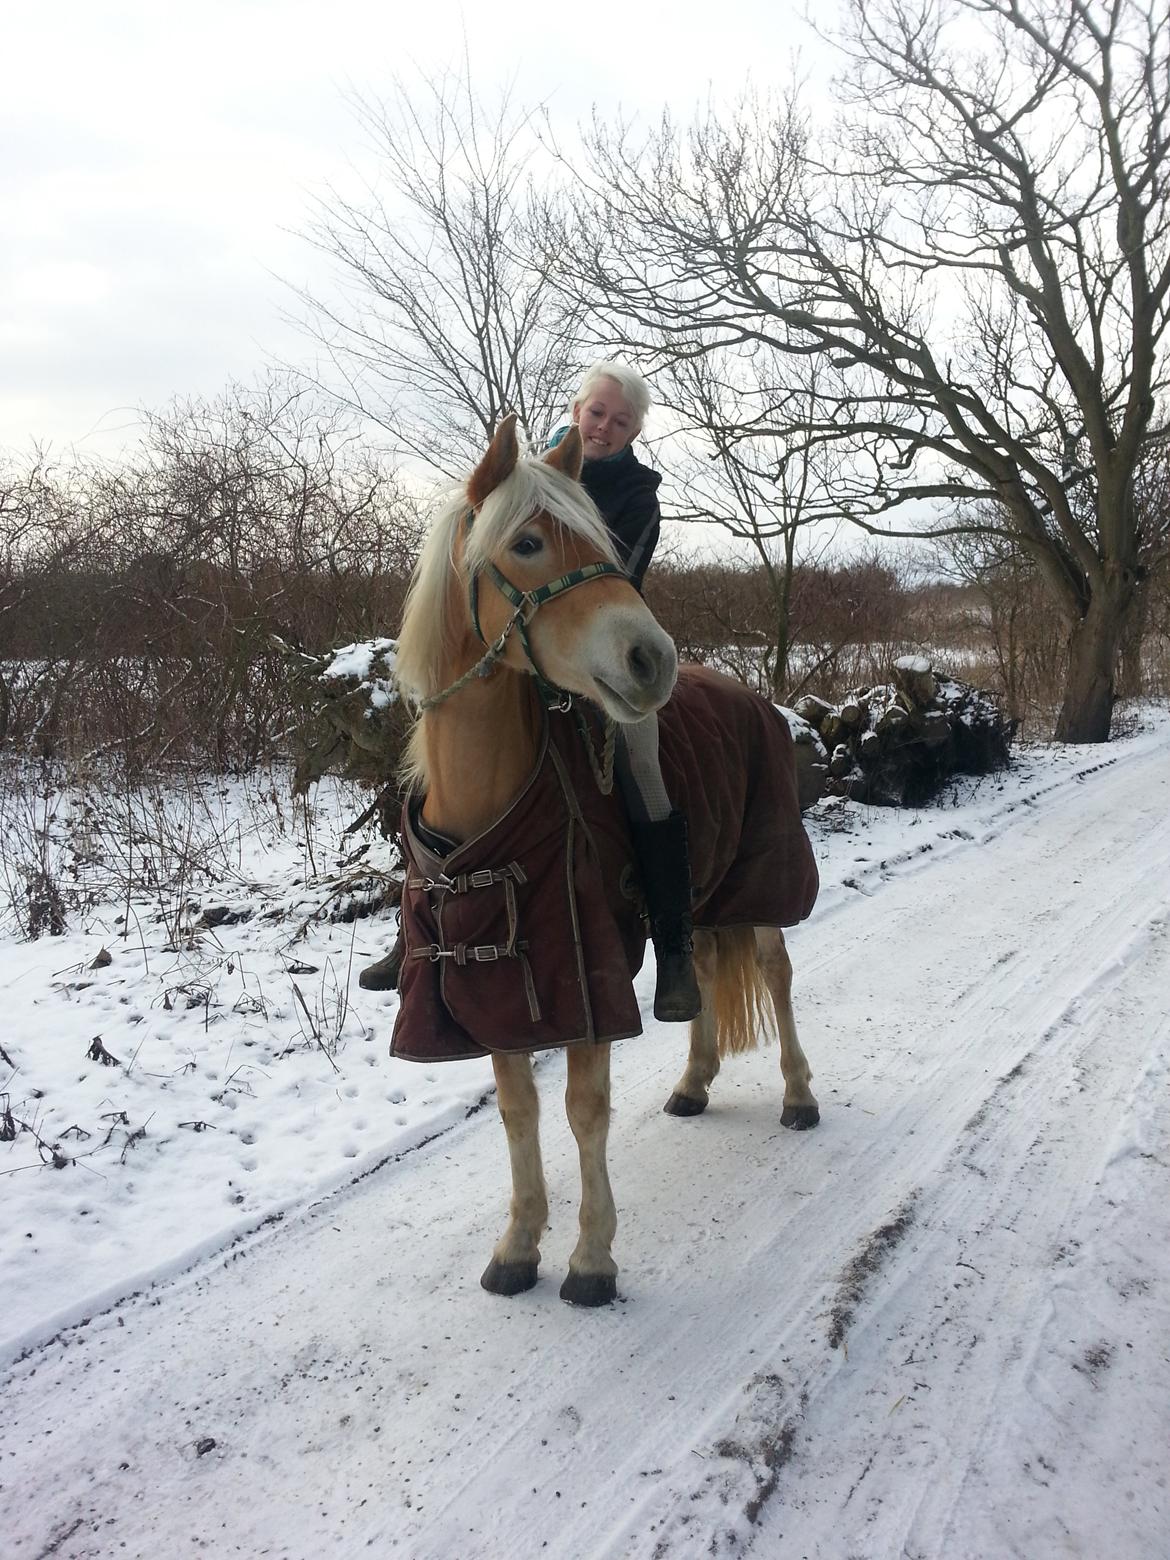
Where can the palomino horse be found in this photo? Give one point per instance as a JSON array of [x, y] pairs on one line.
[[524, 535]]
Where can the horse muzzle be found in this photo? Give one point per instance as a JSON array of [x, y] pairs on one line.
[[633, 664]]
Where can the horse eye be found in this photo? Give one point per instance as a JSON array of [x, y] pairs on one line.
[[527, 547]]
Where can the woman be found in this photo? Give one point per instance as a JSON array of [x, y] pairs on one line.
[[609, 410]]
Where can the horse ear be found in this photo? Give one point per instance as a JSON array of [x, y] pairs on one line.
[[568, 455], [497, 465]]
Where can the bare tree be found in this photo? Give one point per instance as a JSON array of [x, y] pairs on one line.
[[267, 478], [448, 316], [980, 267], [47, 535], [731, 466], [1011, 617]]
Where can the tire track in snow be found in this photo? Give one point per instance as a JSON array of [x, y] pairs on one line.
[[998, 819], [973, 1308], [360, 1388], [1028, 1131], [1035, 995]]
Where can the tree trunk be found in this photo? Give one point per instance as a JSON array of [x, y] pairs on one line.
[[779, 678], [1087, 711]]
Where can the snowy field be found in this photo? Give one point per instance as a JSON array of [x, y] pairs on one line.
[[241, 1246]]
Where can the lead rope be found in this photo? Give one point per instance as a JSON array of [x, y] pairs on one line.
[[481, 668], [603, 769]]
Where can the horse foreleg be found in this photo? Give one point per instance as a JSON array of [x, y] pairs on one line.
[[592, 1275], [800, 1104], [691, 1092], [515, 1259]]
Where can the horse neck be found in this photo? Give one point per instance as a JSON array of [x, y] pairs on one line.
[[479, 748]]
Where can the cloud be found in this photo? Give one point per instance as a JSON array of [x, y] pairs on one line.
[[153, 159]]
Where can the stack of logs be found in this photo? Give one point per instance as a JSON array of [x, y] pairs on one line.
[[897, 743]]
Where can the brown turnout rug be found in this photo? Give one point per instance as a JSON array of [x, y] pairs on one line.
[[529, 935]]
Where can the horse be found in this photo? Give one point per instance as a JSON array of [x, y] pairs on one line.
[[518, 604]]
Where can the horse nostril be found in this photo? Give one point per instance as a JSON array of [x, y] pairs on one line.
[[643, 665]]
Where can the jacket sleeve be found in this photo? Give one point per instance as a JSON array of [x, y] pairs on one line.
[[636, 532]]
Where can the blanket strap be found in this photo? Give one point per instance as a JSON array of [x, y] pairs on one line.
[[576, 820], [471, 953], [483, 953]]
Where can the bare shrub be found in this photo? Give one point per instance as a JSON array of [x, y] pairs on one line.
[[137, 605], [1013, 635], [848, 621]]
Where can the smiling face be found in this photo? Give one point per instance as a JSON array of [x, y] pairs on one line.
[[606, 420]]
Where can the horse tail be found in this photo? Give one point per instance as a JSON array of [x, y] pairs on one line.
[[743, 1006]]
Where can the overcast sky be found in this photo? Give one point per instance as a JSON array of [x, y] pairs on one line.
[[154, 156]]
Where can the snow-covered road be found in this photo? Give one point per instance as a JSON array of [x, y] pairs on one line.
[[939, 1326]]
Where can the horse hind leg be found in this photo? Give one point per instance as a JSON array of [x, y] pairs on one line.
[[800, 1105], [592, 1275], [517, 1255], [692, 1091]]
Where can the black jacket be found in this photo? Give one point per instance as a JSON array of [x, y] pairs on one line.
[[626, 492]]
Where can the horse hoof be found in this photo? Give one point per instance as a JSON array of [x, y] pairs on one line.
[[589, 1289], [508, 1278], [800, 1117], [684, 1105]]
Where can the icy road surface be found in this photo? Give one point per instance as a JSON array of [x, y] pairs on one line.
[[938, 1326]]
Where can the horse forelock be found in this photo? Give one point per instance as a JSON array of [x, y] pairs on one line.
[[427, 624], [535, 488], [426, 619]]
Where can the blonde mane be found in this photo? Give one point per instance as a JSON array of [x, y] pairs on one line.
[[432, 619]]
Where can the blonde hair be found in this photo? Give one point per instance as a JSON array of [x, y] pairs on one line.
[[633, 387]]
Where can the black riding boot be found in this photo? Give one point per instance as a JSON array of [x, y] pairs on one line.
[[383, 976], [666, 878]]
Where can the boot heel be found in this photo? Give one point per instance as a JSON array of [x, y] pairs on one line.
[[676, 994]]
